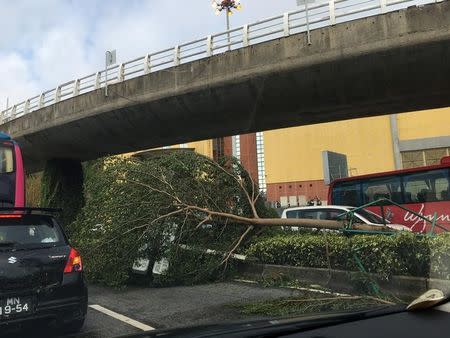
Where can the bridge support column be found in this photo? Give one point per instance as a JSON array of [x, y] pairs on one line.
[[62, 187]]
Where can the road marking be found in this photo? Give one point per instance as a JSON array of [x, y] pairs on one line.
[[122, 318]]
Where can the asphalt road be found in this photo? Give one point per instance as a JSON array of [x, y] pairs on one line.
[[146, 308]]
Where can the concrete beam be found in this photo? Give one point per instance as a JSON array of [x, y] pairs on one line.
[[396, 62]]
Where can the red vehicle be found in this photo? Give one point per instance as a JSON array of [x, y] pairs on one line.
[[424, 190], [12, 175]]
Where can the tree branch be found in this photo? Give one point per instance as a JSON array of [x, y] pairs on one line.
[[238, 243], [241, 185], [154, 189], [206, 219]]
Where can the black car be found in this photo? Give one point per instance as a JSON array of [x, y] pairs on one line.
[[41, 275]]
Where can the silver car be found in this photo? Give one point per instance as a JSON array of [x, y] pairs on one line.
[[331, 212]]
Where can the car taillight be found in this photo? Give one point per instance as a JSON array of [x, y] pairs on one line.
[[74, 263]]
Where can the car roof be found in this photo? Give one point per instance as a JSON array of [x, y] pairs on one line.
[[313, 207], [50, 212]]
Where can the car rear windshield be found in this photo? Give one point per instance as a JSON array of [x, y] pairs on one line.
[[29, 231], [371, 217]]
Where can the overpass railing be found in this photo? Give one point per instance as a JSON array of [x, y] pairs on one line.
[[328, 12]]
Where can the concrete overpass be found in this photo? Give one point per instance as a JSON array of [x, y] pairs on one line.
[[389, 63]]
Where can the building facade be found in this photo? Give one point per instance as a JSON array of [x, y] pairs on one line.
[[287, 163]]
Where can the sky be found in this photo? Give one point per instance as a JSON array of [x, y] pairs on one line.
[[48, 42]]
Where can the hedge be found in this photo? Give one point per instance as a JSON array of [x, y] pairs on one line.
[[402, 254]]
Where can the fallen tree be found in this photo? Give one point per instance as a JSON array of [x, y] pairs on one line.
[[158, 182], [169, 200]]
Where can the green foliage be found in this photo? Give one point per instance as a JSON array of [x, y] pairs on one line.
[[306, 303], [127, 199], [439, 257], [401, 254], [62, 187], [191, 267], [33, 189]]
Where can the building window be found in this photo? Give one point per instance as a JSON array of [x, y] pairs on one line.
[[420, 158], [183, 145], [218, 148], [236, 146], [261, 161]]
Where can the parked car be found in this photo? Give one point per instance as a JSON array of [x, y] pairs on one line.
[[41, 275], [332, 212]]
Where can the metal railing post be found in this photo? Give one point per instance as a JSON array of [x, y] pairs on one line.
[[209, 45], [383, 6], [41, 100], [76, 87], [332, 12], [308, 32], [58, 94], [121, 73], [97, 80], [26, 107], [147, 64], [245, 39], [13, 111], [286, 30], [176, 56]]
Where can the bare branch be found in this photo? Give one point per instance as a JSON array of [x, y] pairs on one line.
[[238, 243], [154, 189], [240, 182], [144, 225], [206, 219]]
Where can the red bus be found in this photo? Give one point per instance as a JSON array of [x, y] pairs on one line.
[[424, 190], [12, 175]]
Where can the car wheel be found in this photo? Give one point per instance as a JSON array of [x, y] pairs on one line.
[[73, 326]]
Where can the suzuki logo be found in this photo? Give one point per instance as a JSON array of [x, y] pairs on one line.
[[12, 260]]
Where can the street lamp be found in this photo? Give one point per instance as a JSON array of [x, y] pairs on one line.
[[228, 6]]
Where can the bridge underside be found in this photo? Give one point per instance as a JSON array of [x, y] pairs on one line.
[[397, 62]]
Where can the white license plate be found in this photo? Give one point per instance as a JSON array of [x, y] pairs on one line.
[[140, 265], [14, 306]]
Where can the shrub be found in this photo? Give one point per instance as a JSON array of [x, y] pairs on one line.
[[401, 254]]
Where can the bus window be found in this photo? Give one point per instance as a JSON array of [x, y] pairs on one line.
[[386, 187], [429, 186], [347, 193], [6, 160], [442, 185]]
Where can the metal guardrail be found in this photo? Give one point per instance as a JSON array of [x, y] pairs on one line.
[[317, 16]]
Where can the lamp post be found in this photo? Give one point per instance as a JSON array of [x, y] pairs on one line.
[[228, 6]]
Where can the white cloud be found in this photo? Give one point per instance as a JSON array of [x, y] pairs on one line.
[[16, 82], [45, 43]]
